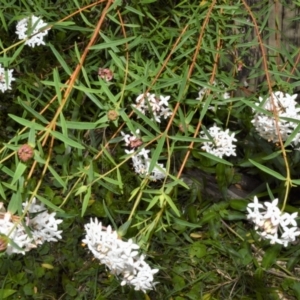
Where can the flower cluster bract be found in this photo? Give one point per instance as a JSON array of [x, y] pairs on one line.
[[271, 223], [30, 28], [41, 226], [221, 144], [120, 257], [285, 106]]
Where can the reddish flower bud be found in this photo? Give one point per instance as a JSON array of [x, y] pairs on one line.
[[105, 74], [25, 152]]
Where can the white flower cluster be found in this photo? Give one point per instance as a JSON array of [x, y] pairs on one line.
[[224, 95], [30, 29], [271, 223], [221, 144], [121, 258], [41, 227], [285, 106], [141, 161], [6, 78], [158, 107]]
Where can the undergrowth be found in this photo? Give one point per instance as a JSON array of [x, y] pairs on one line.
[[214, 59]]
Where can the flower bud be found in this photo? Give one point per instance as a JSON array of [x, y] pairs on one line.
[[112, 115], [106, 74], [25, 152]]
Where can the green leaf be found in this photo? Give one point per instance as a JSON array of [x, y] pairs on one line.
[[149, 122], [49, 203], [66, 140], [78, 125], [15, 203], [27, 123], [111, 44], [238, 204], [117, 60], [271, 256], [296, 181], [124, 228], [172, 204], [86, 200], [153, 202], [197, 249], [60, 59], [81, 189], [215, 158], [108, 214], [5, 293], [267, 170], [57, 85], [57, 177], [18, 172], [185, 223], [157, 152]]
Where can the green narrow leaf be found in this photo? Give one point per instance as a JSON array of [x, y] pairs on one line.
[[291, 137], [86, 200], [215, 158], [78, 125], [31, 137], [117, 60], [57, 85], [108, 214], [15, 203], [16, 52], [134, 10], [85, 76], [49, 204], [124, 227], [104, 88], [172, 204], [128, 121], [185, 223], [60, 59], [111, 180], [157, 152], [63, 124], [19, 172], [267, 170], [2, 193], [27, 123], [66, 140], [111, 44], [189, 139], [271, 256], [57, 177], [296, 181], [154, 200]]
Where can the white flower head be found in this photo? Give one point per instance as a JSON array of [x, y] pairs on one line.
[[120, 257], [271, 224], [141, 163], [222, 94], [221, 143], [41, 226], [157, 107], [134, 140], [285, 106], [6, 78], [30, 29]]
